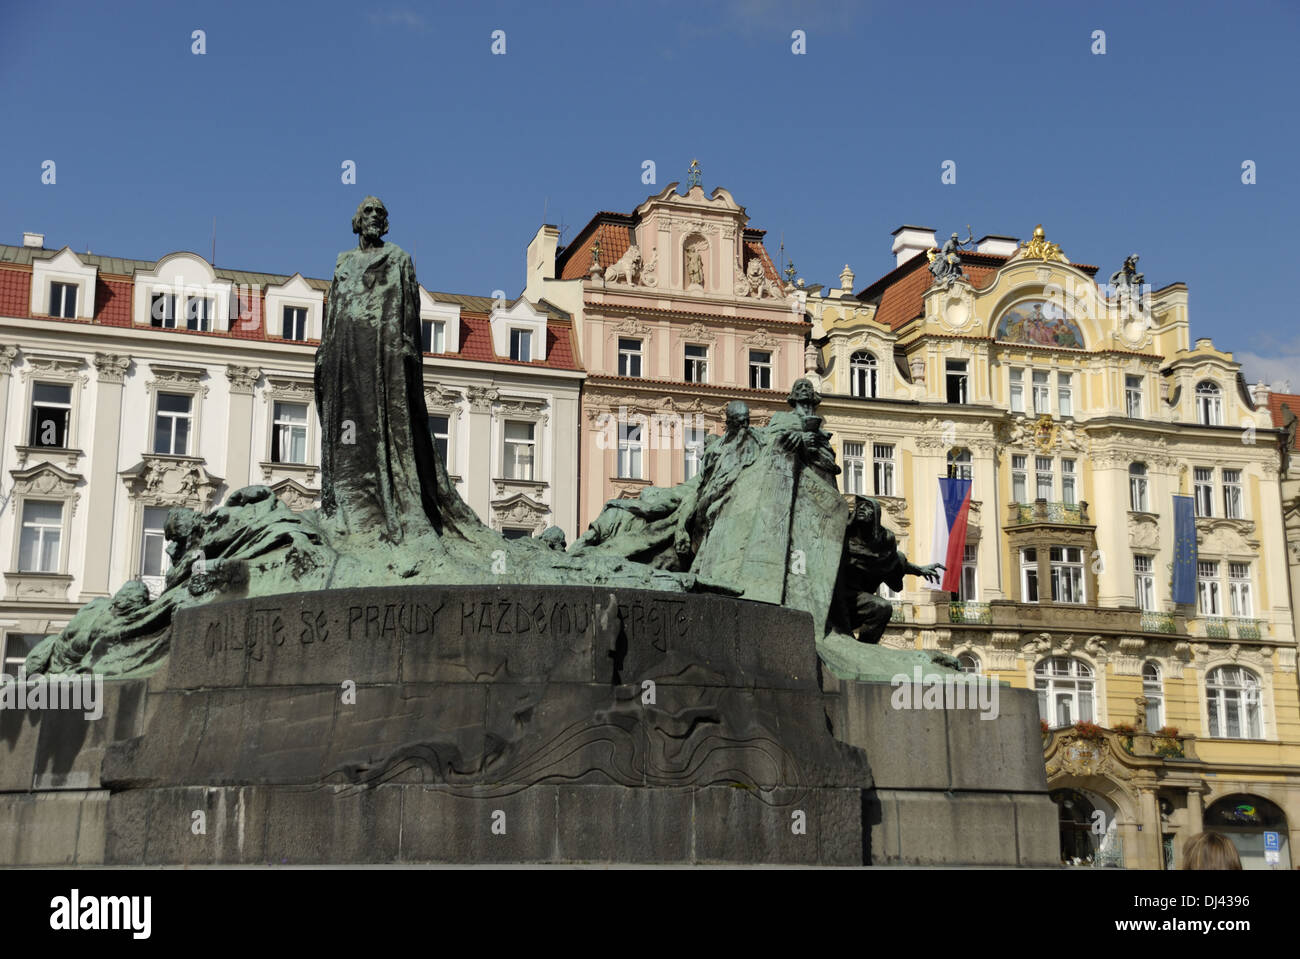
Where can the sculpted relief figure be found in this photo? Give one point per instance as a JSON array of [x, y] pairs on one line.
[[694, 267], [628, 267]]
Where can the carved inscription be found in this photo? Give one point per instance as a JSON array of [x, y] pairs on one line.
[[654, 622], [507, 617], [397, 620], [264, 626]]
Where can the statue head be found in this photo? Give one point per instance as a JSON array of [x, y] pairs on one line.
[[178, 529], [803, 393], [954, 236], [132, 596], [553, 537], [737, 414], [370, 222]]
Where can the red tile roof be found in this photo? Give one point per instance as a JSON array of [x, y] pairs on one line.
[[1275, 403], [476, 343], [615, 237], [113, 302], [15, 292]]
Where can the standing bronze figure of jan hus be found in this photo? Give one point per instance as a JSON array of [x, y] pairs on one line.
[[379, 469]]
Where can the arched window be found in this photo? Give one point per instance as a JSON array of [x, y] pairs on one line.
[[1153, 693], [1065, 690], [959, 464], [969, 663], [1209, 403], [1232, 695], [862, 374], [1137, 487]]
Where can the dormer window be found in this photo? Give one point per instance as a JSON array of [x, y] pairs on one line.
[[295, 323], [521, 345], [433, 334], [162, 311], [862, 375], [63, 300], [198, 313], [1209, 403], [955, 371]]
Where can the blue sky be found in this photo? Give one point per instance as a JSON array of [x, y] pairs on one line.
[[1136, 150]]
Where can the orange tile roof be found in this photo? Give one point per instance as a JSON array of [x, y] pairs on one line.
[[476, 343], [613, 230], [1275, 403], [15, 292]]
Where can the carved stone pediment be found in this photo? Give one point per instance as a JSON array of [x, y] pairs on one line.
[[57, 367], [296, 496], [185, 378], [46, 479], [697, 332], [522, 406], [442, 400], [519, 510], [160, 480], [291, 389], [1226, 537], [631, 326], [1143, 530]]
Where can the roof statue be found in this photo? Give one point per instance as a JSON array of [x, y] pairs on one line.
[[1038, 248], [945, 264]]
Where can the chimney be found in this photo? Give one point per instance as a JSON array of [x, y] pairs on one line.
[[911, 241], [36, 240], [1259, 393], [997, 245]]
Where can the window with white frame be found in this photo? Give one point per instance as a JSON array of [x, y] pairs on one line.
[[198, 313], [1029, 575], [1232, 698], [1209, 403], [1019, 481], [968, 663], [520, 447], [1138, 500], [1044, 478], [433, 336], [629, 357], [1067, 574], [17, 646], [63, 300], [521, 345], [955, 373], [1042, 394], [1239, 598], [1232, 501], [1133, 396], [1066, 691], [630, 439], [855, 469], [1064, 394], [1207, 588], [1153, 692], [440, 431], [172, 421], [760, 370], [697, 363], [1069, 482], [1203, 490], [154, 561], [162, 311], [960, 465], [968, 591], [294, 323], [41, 536], [1144, 582], [51, 415], [863, 370], [693, 441], [882, 456], [1017, 390], [289, 433]]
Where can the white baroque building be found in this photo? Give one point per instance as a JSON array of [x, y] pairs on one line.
[[128, 387]]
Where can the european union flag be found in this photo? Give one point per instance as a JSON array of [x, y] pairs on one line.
[[1184, 550]]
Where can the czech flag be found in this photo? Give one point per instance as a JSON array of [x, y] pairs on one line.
[[950, 512]]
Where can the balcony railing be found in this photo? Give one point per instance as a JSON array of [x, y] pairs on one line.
[[1217, 627], [1154, 622], [899, 615], [980, 613], [1041, 511], [1225, 627]]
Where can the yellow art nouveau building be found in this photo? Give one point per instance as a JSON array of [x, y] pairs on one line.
[[1079, 409]]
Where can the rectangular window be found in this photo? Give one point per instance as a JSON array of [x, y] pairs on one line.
[[1137, 488], [1133, 396], [882, 455], [433, 336], [1239, 598], [969, 564], [1069, 483], [1019, 483], [295, 323], [629, 357], [63, 300], [697, 363], [1029, 575], [956, 380], [1065, 394], [171, 429], [154, 560], [42, 533], [760, 370], [521, 345], [854, 468], [16, 648], [629, 450], [1204, 490], [1017, 391], [51, 414], [198, 313], [514, 532], [692, 449], [162, 311], [440, 430], [289, 433], [1042, 394], [1044, 477], [1232, 494], [520, 446], [1067, 574], [1207, 589], [1144, 582]]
